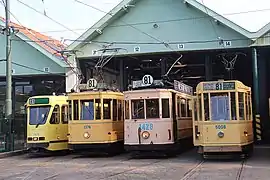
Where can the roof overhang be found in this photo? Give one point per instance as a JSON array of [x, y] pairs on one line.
[[98, 27]]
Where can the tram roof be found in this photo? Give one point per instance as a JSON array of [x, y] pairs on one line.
[[95, 93], [144, 90], [237, 85]]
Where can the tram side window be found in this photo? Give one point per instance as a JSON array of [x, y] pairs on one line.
[[69, 110], [178, 106], [126, 109], [246, 106], [183, 107], [120, 110], [137, 109], [87, 109], [107, 109], [241, 104], [206, 106], [114, 110], [233, 106], [75, 110], [195, 110], [55, 118], [200, 106], [165, 108], [189, 110], [250, 106], [152, 108], [64, 114], [98, 109]]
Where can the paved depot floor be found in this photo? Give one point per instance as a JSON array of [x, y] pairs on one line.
[[185, 166]]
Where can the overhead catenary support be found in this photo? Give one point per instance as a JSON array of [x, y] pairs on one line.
[[256, 109], [8, 113]]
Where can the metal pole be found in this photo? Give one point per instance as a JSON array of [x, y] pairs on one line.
[[255, 80], [256, 112], [8, 75]]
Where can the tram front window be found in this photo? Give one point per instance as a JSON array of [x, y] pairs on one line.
[[152, 108], [87, 110], [107, 108], [220, 110], [38, 115], [137, 108]]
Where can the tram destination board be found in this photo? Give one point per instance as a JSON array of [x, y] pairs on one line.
[[181, 87], [33, 101], [217, 86]]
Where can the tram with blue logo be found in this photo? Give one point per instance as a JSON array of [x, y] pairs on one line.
[[158, 117]]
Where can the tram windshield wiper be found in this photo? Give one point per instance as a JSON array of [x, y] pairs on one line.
[[43, 119]]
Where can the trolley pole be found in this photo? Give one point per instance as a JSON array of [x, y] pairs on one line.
[[8, 113]]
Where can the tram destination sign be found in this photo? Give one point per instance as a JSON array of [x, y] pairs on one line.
[[218, 86], [181, 87], [34, 101]]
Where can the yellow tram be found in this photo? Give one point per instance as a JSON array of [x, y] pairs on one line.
[[96, 121], [222, 118], [47, 123], [158, 118]]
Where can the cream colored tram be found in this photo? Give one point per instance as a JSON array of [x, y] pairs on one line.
[[158, 119], [222, 119]]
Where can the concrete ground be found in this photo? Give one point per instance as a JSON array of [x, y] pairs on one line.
[[185, 166]]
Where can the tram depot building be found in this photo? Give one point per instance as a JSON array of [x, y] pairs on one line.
[[148, 37], [37, 70]]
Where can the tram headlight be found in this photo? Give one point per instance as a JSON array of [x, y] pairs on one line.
[[221, 134], [145, 135], [86, 135]]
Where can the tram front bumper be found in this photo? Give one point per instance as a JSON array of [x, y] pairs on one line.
[[232, 148], [37, 145], [150, 147]]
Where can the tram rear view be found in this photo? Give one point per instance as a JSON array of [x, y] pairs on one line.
[[222, 119]]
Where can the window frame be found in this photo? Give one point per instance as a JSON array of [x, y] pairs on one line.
[[109, 108], [120, 110], [64, 116], [81, 109], [169, 113], [58, 114], [132, 108], [146, 110]]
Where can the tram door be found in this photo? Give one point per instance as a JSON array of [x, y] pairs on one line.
[[175, 129]]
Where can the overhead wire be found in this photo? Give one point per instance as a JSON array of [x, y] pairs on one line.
[[44, 14], [149, 43], [143, 32], [30, 7], [210, 19], [18, 64], [126, 24], [159, 21]]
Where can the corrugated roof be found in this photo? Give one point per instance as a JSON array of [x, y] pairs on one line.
[[51, 45]]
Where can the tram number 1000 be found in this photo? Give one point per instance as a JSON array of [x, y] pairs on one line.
[[146, 126], [220, 126]]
